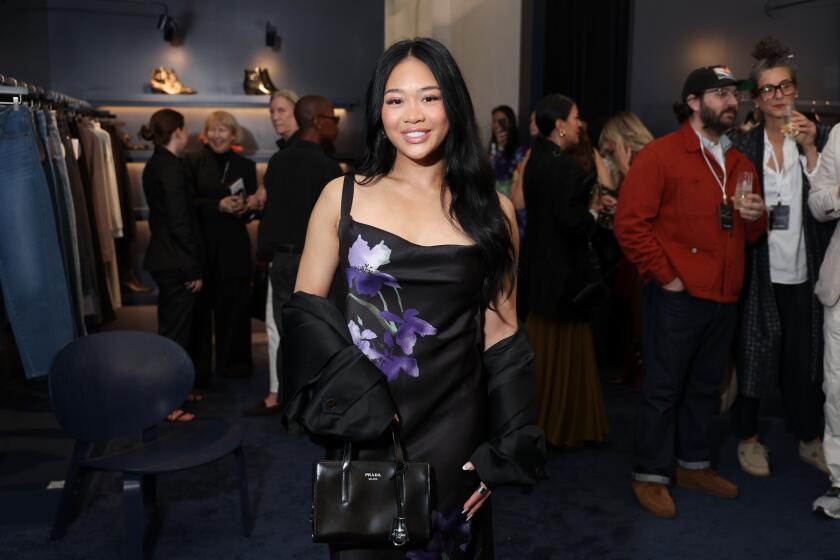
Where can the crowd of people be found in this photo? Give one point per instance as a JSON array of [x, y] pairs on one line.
[[714, 244]]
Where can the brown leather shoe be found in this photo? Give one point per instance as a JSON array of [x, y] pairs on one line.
[[706, 480], [655, 498]]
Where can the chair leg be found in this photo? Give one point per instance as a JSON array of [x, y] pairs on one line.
[[134, 518], [68, 502], [243, 491]]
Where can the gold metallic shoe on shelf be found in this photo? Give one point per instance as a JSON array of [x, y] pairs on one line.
[[165, 80]]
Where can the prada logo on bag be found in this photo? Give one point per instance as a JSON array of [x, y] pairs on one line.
[[373, 476]]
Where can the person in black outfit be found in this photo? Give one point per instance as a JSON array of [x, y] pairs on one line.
[[293, 181], [174, 254], [223, 309]]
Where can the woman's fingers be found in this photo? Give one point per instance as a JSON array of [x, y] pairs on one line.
[[475, 501]]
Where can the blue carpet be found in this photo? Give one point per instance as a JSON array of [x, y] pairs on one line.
[[586, 510]]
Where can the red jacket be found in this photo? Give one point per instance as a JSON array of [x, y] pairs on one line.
[[667, 219]]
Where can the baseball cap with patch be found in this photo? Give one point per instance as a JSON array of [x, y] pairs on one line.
[[709, 77]]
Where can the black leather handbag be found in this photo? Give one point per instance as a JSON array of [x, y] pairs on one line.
[[377, 504]]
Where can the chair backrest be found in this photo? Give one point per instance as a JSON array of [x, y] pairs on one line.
[[114, 384]]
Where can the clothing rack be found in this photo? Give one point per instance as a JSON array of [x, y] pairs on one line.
[[16, 92]]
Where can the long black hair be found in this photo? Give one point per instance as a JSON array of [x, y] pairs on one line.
[[512, 143], [475, 205]]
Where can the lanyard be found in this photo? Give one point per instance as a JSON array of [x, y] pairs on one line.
[[224, 173], [721, 184], [781, 183]]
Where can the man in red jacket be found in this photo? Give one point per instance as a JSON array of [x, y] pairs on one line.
[[677, 223]]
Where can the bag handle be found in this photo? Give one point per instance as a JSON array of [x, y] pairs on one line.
[[399, 526]]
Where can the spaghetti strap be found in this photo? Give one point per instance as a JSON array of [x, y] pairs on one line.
[[347, 194]]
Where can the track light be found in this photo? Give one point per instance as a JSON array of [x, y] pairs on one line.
[[271, 38], [168, 24]]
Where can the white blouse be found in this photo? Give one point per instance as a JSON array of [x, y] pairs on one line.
[[788, 260]]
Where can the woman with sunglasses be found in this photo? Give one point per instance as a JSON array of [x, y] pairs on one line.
[[780, 338]]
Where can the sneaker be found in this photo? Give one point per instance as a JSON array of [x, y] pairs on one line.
[[813, 454], [829, 504], [655, 498], [753, 458], [706, 480]]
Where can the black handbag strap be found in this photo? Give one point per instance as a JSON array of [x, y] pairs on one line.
[[399, 527]]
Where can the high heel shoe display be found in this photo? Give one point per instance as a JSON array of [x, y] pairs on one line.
[[257, 82], [165, 80]]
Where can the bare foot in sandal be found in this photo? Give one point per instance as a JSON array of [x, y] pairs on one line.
[[179, 415]]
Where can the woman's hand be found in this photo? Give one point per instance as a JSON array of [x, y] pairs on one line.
[[232, 204], [623, 154], [474, 503], [805, 129], [194, 285]]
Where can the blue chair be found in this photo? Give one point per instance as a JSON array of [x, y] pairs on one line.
[[117, 384]]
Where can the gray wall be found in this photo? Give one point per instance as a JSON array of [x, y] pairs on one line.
[[672, 38], [105, 51]]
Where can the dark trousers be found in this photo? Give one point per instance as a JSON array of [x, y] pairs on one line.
[[223, 311], [685, 344], [801, 395], [176, 311], [282, 273]]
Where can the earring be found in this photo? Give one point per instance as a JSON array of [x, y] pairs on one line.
[[382, 132], [562, 133]]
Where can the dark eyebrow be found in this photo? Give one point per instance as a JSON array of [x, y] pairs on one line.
[[427, 88]]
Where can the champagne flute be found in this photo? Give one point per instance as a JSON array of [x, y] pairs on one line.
[[742, 189], [787, 126]]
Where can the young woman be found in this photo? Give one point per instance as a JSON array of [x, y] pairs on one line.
[[223, 311], [174, 254], [429, 250], [562, 217], [505, 151], [780, 338]]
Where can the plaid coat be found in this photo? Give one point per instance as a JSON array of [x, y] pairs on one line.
[[758, 342]]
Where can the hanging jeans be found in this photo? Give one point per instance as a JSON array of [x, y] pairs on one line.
[[32, 275], [56, 152]]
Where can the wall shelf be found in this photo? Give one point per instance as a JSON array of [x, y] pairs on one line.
[[199, 100]]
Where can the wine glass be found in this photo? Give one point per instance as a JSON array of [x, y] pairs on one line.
[[742, 188]]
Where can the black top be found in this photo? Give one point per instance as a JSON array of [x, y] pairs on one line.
[[175, 243], [227, 245], [557, 233], [293, 181]]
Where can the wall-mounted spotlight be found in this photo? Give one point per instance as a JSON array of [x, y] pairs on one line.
[[168, 24], [271, 38]]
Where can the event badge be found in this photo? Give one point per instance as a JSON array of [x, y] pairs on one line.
[[725, 214], [780, 216]]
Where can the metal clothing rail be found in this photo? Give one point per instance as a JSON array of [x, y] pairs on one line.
[[20, 92]]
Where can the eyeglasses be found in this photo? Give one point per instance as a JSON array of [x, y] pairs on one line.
[[333, 118], [768, 91], [723, 93]]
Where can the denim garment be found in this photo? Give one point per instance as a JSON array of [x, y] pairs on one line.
[[31, 269], [55, 150]]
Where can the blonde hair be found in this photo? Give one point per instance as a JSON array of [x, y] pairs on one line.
[[629, 128], [225, 119], [288, 94]]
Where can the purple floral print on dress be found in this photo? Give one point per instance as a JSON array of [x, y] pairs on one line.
[[364, 267], [392, 352], [449, 532]]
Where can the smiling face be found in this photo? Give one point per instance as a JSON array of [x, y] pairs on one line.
[[219, 137], [779, 103], [413, 115]]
